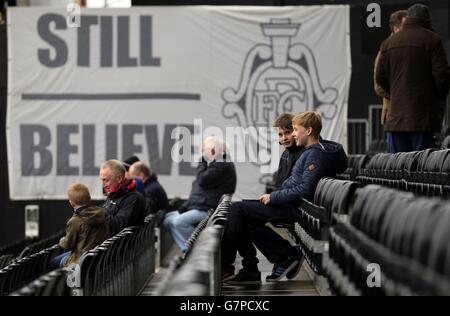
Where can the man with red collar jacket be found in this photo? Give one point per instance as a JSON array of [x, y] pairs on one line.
[[124, 205]]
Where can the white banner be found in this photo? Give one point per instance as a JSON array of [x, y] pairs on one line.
[[125, 79]]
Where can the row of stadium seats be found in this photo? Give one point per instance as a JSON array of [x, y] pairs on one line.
[[426, 172], [332, 198], [356, 163], [53, 283], [26, 247], [406, 236], [446, 142], [348, 228], [198, 229], [121, 265], [344, 232], [378, 146], [5, 260], [311, 234], [24, 270], [164, 240], [198, 272], [42, 244], [16, 247]]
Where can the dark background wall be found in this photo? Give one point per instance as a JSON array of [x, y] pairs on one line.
[[364, 45]]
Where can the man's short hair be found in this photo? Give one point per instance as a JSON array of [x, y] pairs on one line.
[[419, 11], [396, 19], [116, 167], [141, 167], [284, 121], [79, 194], [309, 119]]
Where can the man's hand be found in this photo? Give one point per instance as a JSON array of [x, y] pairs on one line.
[[265, 199], [62, 242]]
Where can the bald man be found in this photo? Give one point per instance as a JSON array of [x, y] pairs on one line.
[[154, 193], [215, 177]]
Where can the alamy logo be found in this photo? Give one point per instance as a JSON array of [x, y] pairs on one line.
[[374, 278], [374, 18], [73, 17], [276, 78], [73, 276]]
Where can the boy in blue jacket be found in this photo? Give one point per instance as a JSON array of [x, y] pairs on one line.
[[320, 159]]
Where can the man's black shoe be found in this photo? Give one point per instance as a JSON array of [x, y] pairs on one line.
[[296, 269], [245, 277]]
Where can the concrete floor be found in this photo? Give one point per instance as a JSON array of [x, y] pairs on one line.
[[301, 285]]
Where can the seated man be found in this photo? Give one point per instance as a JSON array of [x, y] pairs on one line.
[[291, 153], [215, 177], [320, 159], [154, 193], [124, 205], [86, 229]]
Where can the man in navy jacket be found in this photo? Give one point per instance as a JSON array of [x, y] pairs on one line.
[[154, 193], [320, 159]]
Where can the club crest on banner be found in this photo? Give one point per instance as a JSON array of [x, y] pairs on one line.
[[276, 78]]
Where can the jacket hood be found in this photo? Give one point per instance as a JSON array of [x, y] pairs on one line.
[[327, 146], [294, 149], [153, 177], [335, 153], [92, 215]]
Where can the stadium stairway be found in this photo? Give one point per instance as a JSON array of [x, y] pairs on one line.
[[301, 285]]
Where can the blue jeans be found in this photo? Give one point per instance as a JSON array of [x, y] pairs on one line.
[[58, 261], [182, 225], [409, 141]]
